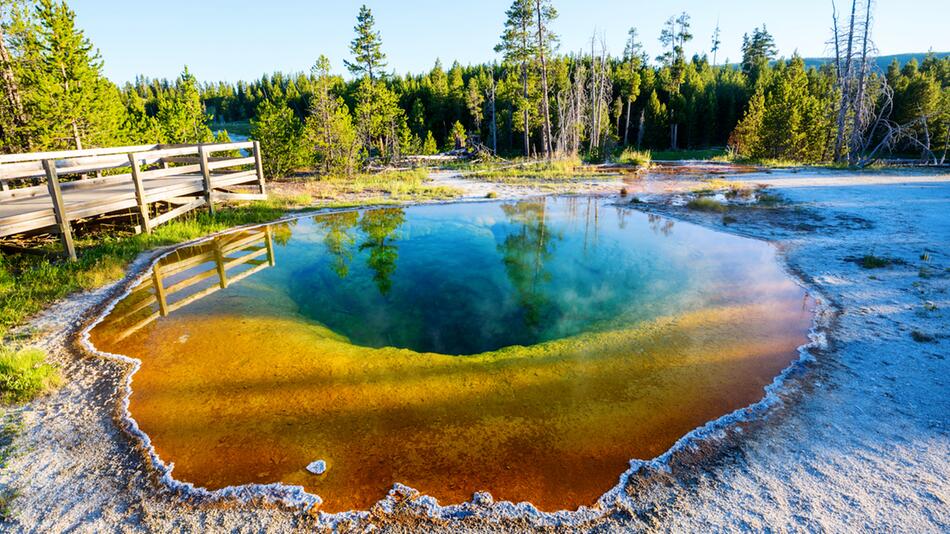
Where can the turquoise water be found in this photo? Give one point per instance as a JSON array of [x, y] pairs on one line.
[[469, 278]]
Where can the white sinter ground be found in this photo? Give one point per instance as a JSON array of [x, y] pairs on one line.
[[860, 441]]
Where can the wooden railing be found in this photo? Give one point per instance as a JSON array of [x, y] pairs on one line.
[[86, 183]]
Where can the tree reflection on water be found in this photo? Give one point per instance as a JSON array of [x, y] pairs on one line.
[[379, 226], [524, 252], [340, 238]]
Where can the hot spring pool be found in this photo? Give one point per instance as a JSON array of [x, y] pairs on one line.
[[529, 349]]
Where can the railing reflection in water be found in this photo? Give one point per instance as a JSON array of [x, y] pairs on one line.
[[191, 274]]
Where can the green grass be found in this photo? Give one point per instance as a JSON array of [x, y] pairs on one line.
[[706, 204], [630, 156], [24, 374], [718, 154], [394, 185], [921, 337], [556, 170], [7, 496], [870, 261]]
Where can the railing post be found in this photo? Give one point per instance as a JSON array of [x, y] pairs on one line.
[[219, 264], [206, 175], [159, 289], [258, 164], [140, 194], [59, 208], [269, 242]]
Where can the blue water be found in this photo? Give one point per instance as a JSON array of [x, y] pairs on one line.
[[468, 278]]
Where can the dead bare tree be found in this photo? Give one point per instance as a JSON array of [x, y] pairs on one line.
[[843, 66], [600, 93], [571, 111], [865, 100]]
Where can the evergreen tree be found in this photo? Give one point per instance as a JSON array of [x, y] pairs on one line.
[[716, 43], [628, 77], [430, 147], [330, 135], [14, 25], [378, 119], [458, 137], [279, 132], [518, 48], [757, 51], [368, 57], [70, 103], [181, 112]]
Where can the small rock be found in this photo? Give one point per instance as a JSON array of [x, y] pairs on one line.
[[318, 468]]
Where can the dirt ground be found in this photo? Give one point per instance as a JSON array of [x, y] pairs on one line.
[[856, 436]]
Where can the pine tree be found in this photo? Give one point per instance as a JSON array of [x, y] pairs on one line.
[[716, 43], [457, 138], [368, 57], [70, 103], [279, 132], [628, 76], [757, 51], [14, 25], [517, 46], [378, 119], [430, 147], [331, 139], [181, 113]]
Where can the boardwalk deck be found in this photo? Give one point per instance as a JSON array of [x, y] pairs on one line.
[[136, 178]]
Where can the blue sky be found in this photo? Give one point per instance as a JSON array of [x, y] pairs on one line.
[[242, 39]]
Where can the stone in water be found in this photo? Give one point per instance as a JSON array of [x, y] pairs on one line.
[[318, 468]]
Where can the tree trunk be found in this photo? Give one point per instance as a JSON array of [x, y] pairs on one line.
[[524, 80], [626, 129], [643, 114], [494, 124], [545, 104], [76, 137], [946, 145], [12, 90], [845, 82], [857, 125]]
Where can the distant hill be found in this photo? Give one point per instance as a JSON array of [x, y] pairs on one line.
[[882, 61]]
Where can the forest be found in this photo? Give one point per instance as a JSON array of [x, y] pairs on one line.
[[537, 101]]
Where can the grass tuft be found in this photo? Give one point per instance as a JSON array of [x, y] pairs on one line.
[[706, 204], [24, 374], [870, 261], [631, 156], [921, 337]]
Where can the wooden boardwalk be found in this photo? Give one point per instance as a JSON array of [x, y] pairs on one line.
[[157, 182]]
